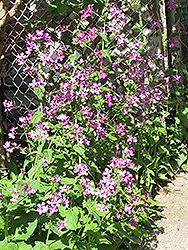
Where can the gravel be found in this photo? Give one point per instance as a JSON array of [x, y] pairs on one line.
[[171, 232]]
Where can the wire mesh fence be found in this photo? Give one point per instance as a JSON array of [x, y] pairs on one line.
[[33, 15]]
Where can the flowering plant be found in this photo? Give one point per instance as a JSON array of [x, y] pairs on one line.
[[93, 148]]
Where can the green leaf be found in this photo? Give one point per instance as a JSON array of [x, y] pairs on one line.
[[11, 246], [67, 180], [104, 36], [72, 218], [178, 14], [35, 184], [57, 245], [26, 230], [182, 159], [75, 2], [37, 117], [80, 150], [39, 92], [62, 8], [23, 246], [137, 27], [71, 58], [183, 67], [51, 7], [1, 223], [185, 167], [106, 54], [90, 228], [48, 154], [96, 216], [162, 176], [39, 245], [173, 49]]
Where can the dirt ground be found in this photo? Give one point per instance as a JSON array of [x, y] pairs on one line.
[[172, 227]]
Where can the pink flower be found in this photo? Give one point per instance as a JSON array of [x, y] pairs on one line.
[[62, 224], [102, 207], [176, 78], [184, 145], [103, 74], [42, 208], [159, 56], [8, 105], [4, 173], [81, 169], [86, 12], [172, 41]]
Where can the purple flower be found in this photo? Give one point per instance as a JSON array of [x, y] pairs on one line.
[[154, 23], [172, 41], [62, 224], [86, 12], [8, 105], [20, 58], [102, 207], [176, 78], [42, 208], [4, 173], [81, 169], [159, 56], [184, 145], [8, 147]]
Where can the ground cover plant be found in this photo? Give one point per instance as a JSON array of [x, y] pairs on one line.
[[96, 144]]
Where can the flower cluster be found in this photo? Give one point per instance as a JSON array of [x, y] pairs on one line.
[[8, 105], [17, 193], [81, 169], [53, 202]]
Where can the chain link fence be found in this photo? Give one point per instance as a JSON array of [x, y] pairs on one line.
[[33, 14]]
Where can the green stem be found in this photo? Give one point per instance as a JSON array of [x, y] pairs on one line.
[[48, 233]]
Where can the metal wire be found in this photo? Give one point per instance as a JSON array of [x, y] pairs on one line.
[[16, 85]]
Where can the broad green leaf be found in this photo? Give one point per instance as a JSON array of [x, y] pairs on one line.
[[23, 246], [72, 218], [11, 246], [90, 227], [48, 154], [51, 6], [3, 244], [75, 2], [106, 54], [35, 184], [185, 167], [173, 49], [37, 117], [39, 245], [57, 245], [71, 58], [102, 239], [79, 149], [106, 246], [182, 159], [104, 36], [39, 92], [26, 230], [96, 216], [66, 180], [162, 176]]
